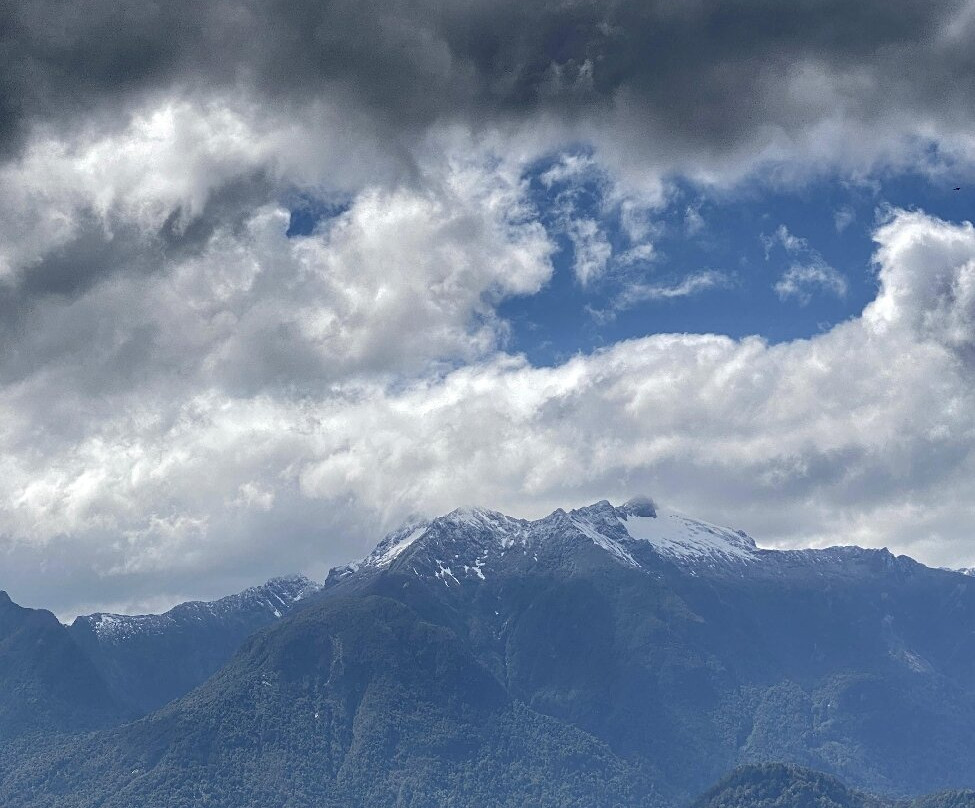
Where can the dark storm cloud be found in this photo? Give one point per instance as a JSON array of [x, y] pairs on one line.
[[704, 73], [685, 81], [100, 249]]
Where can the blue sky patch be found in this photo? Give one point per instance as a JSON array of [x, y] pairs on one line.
[[783, 264], [307, 213]]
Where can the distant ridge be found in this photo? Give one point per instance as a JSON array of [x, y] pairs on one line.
[[149, 660], [47, 683]]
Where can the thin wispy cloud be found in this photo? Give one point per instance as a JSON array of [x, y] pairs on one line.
[[802, 281], [692, 284], [808, 275], [843, 218]]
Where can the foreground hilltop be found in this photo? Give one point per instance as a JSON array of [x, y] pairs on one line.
[[604, 656]]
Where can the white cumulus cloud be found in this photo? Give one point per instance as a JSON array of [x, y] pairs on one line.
[[860, 434]]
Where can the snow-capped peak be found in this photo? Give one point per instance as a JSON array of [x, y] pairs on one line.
[[475, 531], [506, 528], [473, 543], [621, 530]]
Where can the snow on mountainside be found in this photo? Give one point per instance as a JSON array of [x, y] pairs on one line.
[[275, 597], [474, 543], [470, 543], [671, 533]]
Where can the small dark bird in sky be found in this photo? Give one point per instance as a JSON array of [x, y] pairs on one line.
[[956, 188]]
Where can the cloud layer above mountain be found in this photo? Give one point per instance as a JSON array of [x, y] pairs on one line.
[[194, 396]]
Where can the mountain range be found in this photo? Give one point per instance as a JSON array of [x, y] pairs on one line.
[[604, 656]]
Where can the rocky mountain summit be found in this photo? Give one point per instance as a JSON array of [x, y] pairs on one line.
[[469, 544]]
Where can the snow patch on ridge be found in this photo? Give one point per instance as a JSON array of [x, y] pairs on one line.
[[673, 534], [507, 530], [605, 542], [276, 596], [396, 548]]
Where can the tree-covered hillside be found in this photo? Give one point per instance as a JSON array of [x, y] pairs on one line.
[[47, 683], [355, 702]]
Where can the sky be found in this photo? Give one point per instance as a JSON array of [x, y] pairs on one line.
[[275, 276]]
